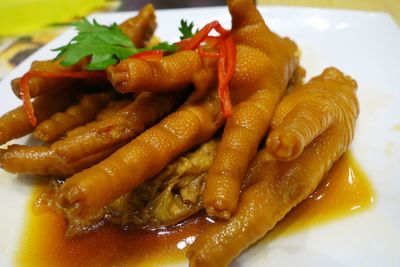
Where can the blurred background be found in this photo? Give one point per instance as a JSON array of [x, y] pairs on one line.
[[26, 25]]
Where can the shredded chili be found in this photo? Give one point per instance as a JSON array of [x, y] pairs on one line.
[[226, 57]]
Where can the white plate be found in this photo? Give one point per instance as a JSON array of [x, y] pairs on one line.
[[364, 45]]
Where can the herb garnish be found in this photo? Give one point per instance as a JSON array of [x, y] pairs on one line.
[[186, 30], [106, 45]]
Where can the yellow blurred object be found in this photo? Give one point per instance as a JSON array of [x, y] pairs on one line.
[[27, 16]]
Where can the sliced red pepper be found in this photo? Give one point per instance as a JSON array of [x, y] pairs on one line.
[[212, 41], [182, 43], [223, 89], [226, 58], [195, 41], [231, 56], [226, 67], [24, 86], [149, 55]]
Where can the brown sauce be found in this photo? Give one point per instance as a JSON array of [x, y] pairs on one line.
[[344, 191]]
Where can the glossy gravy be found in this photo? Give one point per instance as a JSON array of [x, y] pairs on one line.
[[344, 191]]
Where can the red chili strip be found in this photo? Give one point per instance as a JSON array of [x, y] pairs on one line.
[[202, 34], [226, 58], [226, 67], [223, 90], [221, 30], [149, 55], [231, 56], [24, 86], [183, 42]]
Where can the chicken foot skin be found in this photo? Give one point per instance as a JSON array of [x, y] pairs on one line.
[[142, 158], [41, 160], [86, 110], [271, 61], [275, 187], [147, 109], [15, 123], [173, 72]]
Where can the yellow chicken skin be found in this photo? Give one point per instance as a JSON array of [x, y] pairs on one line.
[[146, 155], [270, 61], [93, 142], [141, 27], [172, 73], [41, 160], [192, 124], [112, 108], [274, 187], [15, 123], [146, 110], [87, 108]]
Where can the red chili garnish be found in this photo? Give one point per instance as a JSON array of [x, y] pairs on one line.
[[24, 86], [182, 43], [226, 67], [231, 55], [201, 35], [212, 41], [226, 58], [149, 55]]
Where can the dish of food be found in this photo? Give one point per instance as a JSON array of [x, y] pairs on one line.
[[314, 59]]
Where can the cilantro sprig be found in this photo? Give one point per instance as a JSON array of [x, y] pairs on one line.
[[186, 29], [106, 46]]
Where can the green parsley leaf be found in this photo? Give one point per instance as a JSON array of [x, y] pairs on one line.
[[186, 29], [106, 45]]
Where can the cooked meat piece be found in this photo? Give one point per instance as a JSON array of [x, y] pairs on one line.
[[141, 27], [166, 199], [75, 115], [112, 108], [143, 157], [173, 72], [41, 160], [276, 186], [15, 123], [265, 62], [146, 110]]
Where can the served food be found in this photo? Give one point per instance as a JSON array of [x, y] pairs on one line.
[[188, 134]]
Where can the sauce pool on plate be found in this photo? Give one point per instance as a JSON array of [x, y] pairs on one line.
[[344, 191]]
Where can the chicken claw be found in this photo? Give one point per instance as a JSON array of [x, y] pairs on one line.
[[276, 186], [265, 63]]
